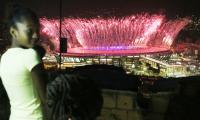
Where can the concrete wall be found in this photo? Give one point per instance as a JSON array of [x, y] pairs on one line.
[[119, 105]]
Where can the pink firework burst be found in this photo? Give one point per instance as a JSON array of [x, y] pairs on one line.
[[114, 34]]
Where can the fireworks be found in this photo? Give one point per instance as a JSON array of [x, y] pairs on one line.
[[130, 32]]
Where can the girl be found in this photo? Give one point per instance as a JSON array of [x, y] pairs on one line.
[[21, 68]]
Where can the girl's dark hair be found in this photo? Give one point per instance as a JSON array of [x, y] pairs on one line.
[[15, 13]]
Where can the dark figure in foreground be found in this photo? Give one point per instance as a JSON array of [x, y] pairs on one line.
[[71, 96]]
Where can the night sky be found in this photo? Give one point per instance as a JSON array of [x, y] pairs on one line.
[[85, 8]]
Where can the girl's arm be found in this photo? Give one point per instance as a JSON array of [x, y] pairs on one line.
[[40, 81]]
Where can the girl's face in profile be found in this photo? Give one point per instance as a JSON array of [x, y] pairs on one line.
[[26, 33]]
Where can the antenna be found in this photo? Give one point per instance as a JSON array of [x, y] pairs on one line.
[[60, 33], [63, 41]]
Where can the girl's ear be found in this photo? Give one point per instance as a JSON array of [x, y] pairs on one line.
[[13, 32]]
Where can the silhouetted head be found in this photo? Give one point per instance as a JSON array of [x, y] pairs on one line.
[[23, 26]]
